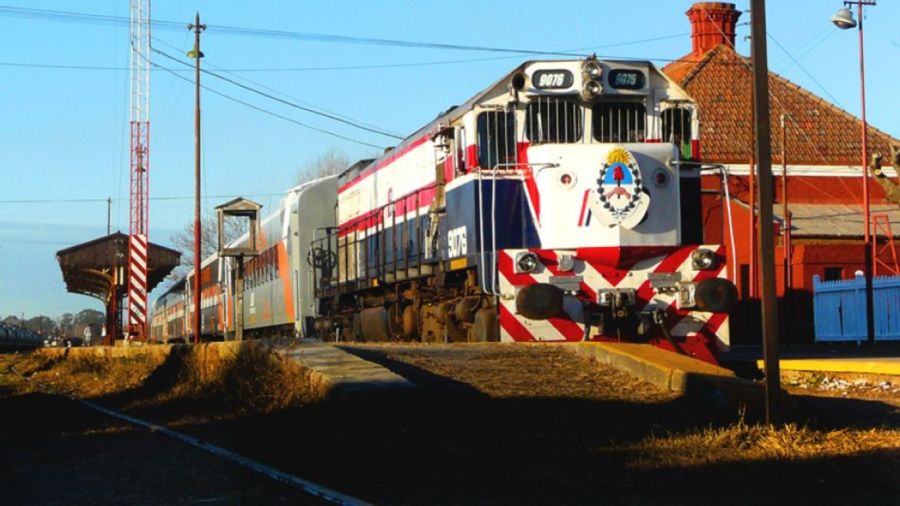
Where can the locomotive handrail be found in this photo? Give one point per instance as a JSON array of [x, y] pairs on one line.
[[725, 183], [382, 263], [494, 290]]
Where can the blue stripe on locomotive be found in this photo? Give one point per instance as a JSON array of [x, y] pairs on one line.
[[512, 219], [513, 222]]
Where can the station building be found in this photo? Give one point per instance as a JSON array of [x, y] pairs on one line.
[[820, 146]]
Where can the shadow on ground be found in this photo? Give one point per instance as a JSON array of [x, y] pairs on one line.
[[446, 442]]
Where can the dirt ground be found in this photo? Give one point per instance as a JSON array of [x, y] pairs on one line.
[[487, 424]]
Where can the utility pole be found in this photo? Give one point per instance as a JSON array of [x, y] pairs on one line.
[[196, 54], [108, 215], [764, 185]]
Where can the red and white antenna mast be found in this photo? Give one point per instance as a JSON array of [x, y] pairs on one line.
[[138, 230]]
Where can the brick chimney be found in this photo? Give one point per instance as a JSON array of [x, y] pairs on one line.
[[712, 23]]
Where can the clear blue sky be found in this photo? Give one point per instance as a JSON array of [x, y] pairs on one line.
[[63, 132]]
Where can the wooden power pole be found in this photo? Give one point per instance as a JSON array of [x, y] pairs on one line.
[[766, 255]]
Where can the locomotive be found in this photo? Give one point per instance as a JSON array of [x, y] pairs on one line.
[[547, 207]]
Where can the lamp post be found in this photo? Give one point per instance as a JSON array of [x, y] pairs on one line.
[[844, 20]]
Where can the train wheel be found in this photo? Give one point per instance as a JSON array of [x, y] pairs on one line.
[[456, 333], [374, 324], [356, 329], [485, 327]]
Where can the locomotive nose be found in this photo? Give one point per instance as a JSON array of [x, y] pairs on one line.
[[539, 301]]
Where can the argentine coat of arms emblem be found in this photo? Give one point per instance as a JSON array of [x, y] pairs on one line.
[[620, 195]]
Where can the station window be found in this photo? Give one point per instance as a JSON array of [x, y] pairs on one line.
[[496, 138], [553, 119], [619, 121], [834, 273]]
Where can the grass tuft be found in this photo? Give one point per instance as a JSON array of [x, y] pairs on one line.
[[742, 442]]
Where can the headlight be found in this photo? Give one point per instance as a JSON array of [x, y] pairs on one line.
[[703, 259], [593, 70], [526, 262], [592, 89]]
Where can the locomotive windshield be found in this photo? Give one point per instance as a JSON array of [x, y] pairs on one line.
[[496, 138], [621, 121], [676, 128], [554, 119]]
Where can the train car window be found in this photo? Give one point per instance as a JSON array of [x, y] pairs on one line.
[[553, 120], [459, 156], [619, 121], [496, 138], [676, 128]]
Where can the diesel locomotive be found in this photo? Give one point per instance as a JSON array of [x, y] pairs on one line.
[[554, 205]]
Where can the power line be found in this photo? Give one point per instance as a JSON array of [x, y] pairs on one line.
[[104, 199], [270, 113], [283, 101], [79, 17], [801, 67], [277, 92]]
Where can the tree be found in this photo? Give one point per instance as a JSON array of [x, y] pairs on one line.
[[90, 317], [66, 323], [41, 324], [332, 161], [209, 233]]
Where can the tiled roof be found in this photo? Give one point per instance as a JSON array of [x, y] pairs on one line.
[[829, 220], [818, 132], [821, 220]]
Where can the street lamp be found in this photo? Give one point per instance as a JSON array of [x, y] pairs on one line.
[[843, 19]]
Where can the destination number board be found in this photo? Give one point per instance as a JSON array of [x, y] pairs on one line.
[[552, 79]]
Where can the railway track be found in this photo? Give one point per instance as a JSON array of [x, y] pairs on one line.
[[308, 487]]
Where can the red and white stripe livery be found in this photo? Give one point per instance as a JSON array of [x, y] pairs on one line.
[[596, 269], [137, 281]]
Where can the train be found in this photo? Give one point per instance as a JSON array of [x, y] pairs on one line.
[[558, 204], [14, 338]]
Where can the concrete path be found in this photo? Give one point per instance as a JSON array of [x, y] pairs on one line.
[[344, 371]]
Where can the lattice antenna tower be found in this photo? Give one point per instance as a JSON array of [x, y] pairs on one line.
[[138, 230]]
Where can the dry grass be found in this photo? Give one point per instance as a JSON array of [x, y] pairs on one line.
[[743, 442], [260, 381], [246, 379], [81, 375]]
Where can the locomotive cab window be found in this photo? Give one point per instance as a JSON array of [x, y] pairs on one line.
[[553, 120], [621, 121], [496, 138], [676, 128]]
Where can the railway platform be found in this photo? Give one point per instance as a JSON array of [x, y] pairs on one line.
[[674, 372], [880, 359], [343, 371]]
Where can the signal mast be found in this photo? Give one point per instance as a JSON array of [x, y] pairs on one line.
[[138, 228]]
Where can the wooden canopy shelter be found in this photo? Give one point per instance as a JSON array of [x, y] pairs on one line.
[[97, 269]]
